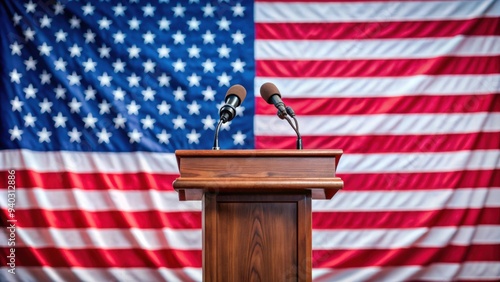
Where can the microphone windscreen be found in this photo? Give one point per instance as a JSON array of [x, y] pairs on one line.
[[237, 90], [267, 90]]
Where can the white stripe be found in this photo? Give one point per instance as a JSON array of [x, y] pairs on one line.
[[59, 274], [157, 239], [376, 49], [435, 272], [398, 124], [435, 237], [348, 87], [370, 11], [85, 162], [166, 201], [413, 200]]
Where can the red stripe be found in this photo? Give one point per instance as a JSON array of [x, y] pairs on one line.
[[92, 181], [386, 105], [377, 30], [378, 68], [405, 219], [387, 143], [107, 219], [56, 257], [401, 257]]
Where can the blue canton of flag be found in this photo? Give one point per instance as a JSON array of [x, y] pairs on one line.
[[124, 76]]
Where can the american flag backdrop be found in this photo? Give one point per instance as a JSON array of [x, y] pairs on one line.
[[96, 96]]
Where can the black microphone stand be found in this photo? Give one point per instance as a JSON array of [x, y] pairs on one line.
[[284, 115]]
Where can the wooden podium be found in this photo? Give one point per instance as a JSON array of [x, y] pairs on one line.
[[257, 209]]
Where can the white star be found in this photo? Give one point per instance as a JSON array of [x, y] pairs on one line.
[[16, 19], [133, 80], [164, 80], [30, 64], [224, 51], [30, 7], [208, 37], [224, 79], [238, 37], [104, 51], [149, 11], [179, 65], [75, 50], [147, 122], [208, 123], [119, 37], [223, 24], [58, 8], [89, 65], [89, 36], [89, 121], [164, 24], [208, 10], [105, 79], [194, 24], [239, 138], [208, 94], [238, 10], [16, 48], [45, 106], [74, 22], [179, 94], [135, 136], [238, 65], [133, 52], [239, 111], [104, 107], [194, 80], [44, 135], [163, 52], [163, 137], [74, 79], [45, 21], [104, 136], [194, 51], [30, 91], [133, 108], [119, 121], [178, 37], [149, 37], [88, 9], [45, 77], [104, 23], [149, 94], [29, 34], [75, 106], [29, 120], [134, 23], [163, 108], [60, 120], [15, 133], [179, 122], [16, 104], [61, 35], [119, 66], [193, 137], [90, 93], [45, 49], [119, 94], [194, 108], [15, 76], [149, 66], [74, 135], [208, 66], [60, 92], [178, 10], [60, 64], [119, 10]]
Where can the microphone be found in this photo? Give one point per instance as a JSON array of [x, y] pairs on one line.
[[271, 95], [234, 97]]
